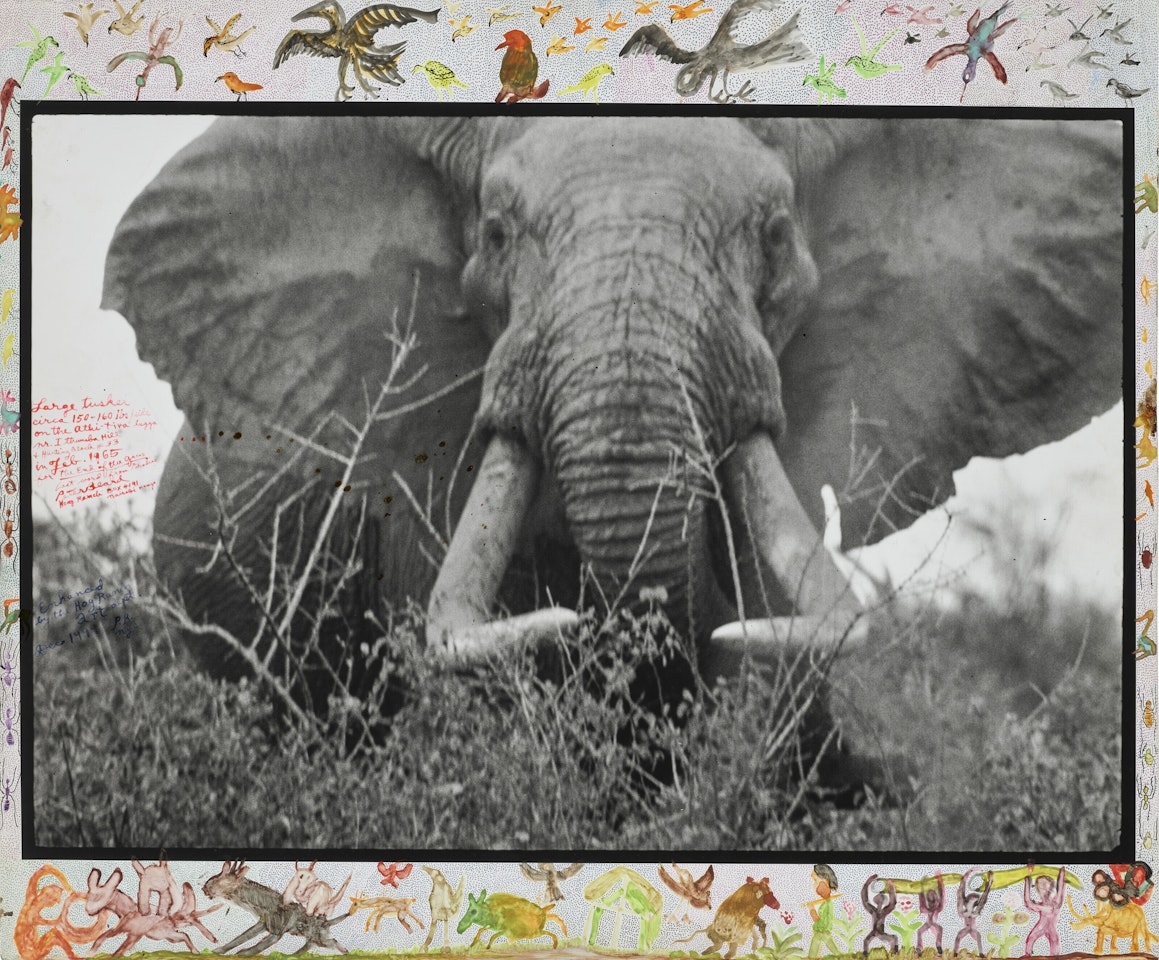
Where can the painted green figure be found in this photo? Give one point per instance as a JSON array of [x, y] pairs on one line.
[[1146, 195], [867, 68], [55, 71], [508, 916], [441, 77], [823, 83], [590, 81], [821, 910], [83, 87], [39, 47]]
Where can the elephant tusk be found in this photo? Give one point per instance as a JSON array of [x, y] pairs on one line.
[[459, 612], [788, 544], [467, 646], [769, 638]]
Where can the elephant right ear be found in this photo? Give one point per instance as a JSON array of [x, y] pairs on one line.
[[262, 265]]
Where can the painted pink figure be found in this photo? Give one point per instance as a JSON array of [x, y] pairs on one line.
[[1047, 906]]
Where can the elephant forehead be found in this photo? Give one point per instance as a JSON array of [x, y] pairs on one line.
[[709, 158]]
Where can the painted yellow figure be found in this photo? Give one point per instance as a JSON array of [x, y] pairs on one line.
[[441, 77], [590, 81]]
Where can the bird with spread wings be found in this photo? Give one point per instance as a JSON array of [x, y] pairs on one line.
[[696, 893], [353, 43], [724, 53], [549, 876]]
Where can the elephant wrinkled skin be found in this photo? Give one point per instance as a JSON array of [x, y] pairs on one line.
[[663, 309]]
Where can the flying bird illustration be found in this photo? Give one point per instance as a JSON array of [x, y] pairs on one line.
[[822, 81], [689, 11], [956, 10], [223, 39], [615, 21], [1057, 91], [39, 46], [1116, 32], [440, 77], [867, 68], [1129, 61], [891, 10], [695, 893], [1124, 91], [499, 14], [1086, 58], [125, 24], [590, 81], [238, 85], [912, 37], [86, 18], [7, 298], [519, 70], [558, 45], [549, 876], [725, 53], [353, 43], [922, 17], [1037, 64], [1077, 31], [645, 8], [596, 43], [463, 27], [393, 872], [980, 37], [547, 11], [942, 33], [582, 26], [56, 71]]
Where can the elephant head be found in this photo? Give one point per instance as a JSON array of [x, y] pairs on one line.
[[685, 326]]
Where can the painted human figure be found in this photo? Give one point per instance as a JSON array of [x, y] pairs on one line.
[[880, 907], [931, 900], [1047, 906], [821, 910], [971, 903]]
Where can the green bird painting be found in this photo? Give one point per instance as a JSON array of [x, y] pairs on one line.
[[39, 47], [440, 77], [590, 81], [83, 88], [822, 82], [55, 71], [867, 68]]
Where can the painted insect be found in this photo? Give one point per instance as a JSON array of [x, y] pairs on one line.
[[9, 472]]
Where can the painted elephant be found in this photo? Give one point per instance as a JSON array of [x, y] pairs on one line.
[[685, 327]]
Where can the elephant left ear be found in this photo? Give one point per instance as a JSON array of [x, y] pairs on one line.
[[970, 303]]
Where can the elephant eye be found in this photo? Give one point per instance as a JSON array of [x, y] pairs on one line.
[[495, 234]]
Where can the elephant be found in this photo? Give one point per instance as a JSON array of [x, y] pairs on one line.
[[636, 349]]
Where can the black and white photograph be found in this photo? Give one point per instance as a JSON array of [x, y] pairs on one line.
[[728, 481]]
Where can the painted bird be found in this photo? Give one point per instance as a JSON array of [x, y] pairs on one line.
[[7, 92], [440, 77], [125, 25], [549, 876], [1055, 10], [558, 46], [1105, 13], [238, 85], [86, 18], [223, 39], [1086, 58], [39, 46], [724, 53], [353, 43], [696, 893], [463, 27], [690, 11], [923, 16], [393, 872], [83, 88], [582, 26], [7, 298], [499, 14], [547, 11], [615, 21], [55, 70], [1077, 31], [1037, 64], [822, 81], [1124, 91], [596, 43], [956, 10], [589, 82], [519, 70], [979, 45], [866, 67], [645, 8], [1116, 32], [1057, 91], [891, 10]]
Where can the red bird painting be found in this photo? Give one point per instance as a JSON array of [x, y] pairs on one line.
[[519, 70], [392, 873], [6, 94]]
